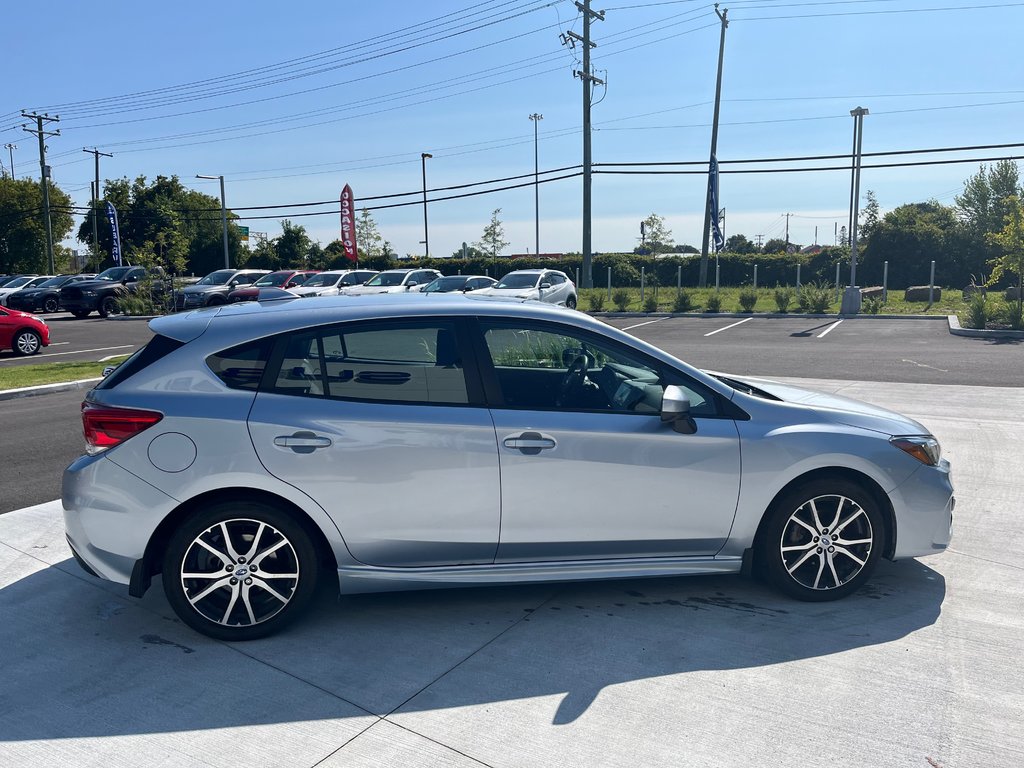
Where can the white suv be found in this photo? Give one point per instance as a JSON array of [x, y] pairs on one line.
[[547, 285], [394, 281], [330, 283]]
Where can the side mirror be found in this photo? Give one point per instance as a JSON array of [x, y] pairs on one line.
[[545, 286], [411, 284], [675, 409]]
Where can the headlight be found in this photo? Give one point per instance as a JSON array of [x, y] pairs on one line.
[[925, 449]]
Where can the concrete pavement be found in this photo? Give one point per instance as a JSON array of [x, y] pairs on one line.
[[917, 669]]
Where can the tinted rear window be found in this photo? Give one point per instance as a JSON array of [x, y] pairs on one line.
[[158, 347], [241, 367]]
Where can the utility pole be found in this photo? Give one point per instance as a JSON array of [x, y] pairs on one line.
[[787, 215], [851, 298], [588, 89], [760, 239], [536, 118], [723, 17], [424, 156], [10, 149], [44, 173], [96, 198]]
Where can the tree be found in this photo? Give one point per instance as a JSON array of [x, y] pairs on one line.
[[22, 232], [163, 212], [982, 209], [739, 244], [775, 245], [909, 237], [368, 238], [657, 238], [493, 240], [472, 252], [292, 245], [1010, 242], [869, 218]]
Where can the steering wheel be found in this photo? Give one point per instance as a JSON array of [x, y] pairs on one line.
[[574, 377]]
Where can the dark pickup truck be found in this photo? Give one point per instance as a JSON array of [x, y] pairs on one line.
[[102, 293]]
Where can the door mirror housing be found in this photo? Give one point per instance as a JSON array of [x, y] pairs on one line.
[[675, 410], [545, 286]]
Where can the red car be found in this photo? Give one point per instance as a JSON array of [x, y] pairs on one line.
[[25, 334], [284, 278]]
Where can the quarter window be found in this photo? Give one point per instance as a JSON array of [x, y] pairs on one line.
[[241, 367]]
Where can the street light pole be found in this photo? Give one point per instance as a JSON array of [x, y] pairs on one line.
[[851, 297], [223, 215], [536, 118], [426, 236]]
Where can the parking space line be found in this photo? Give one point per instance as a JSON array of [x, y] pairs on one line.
[[741, 322], [822, 334], [628, 327], [83, 351]]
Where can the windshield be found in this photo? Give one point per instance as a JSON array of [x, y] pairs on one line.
[[114, 273], [388, 279], [324, 278], [274, 279], [220, 277], [54, 282], [514, 281], [445, 284], [17, 282]]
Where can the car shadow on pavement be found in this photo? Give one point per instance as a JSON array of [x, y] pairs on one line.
[[81, 659]]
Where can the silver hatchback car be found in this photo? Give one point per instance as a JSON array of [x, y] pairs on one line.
[[249, 450]]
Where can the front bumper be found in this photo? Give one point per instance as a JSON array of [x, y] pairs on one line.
[[22, 304], [924, 506]]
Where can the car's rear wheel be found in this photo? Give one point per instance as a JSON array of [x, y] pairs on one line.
[[108, 306], [26, 343], [50, 304], [239, 570], [822, 540]]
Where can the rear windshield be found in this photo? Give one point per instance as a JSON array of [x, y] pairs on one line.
[[158, 347]]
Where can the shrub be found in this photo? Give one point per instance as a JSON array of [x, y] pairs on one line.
[[621, 299], [978, 310], [871, 306], [651, 302], [748, 299], [714, 303], [135, 304], [815, 298], [1009, 313], [596, 301], [783, 298], [683, 301]]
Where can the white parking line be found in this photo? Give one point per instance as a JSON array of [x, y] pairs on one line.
[[741, 322], [822, 334], [58, 343], [630, 327], [83, 351]]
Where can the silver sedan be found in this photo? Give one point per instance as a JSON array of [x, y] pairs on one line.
[[397, 443]]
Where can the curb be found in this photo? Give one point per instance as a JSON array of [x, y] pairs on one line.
[[978, 333], [46, 389]]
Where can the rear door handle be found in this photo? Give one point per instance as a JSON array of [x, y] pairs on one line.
[[302, 442], [529, 443]]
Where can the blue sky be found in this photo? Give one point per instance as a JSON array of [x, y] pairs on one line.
[[406, 78]]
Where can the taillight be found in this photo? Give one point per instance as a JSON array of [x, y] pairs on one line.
[[106, 427]]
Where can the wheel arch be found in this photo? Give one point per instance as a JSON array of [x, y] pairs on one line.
[[844, 473], [149, 565]]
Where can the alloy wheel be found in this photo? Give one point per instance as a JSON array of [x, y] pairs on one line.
[[826, 542], [51, 305], [239, 572], [27, 343]]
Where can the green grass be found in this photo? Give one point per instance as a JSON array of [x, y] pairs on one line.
[[17, 376], [951, 302]]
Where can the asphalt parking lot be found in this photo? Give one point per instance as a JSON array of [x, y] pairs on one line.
[[92, 338]]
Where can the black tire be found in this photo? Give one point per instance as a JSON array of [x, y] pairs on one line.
[[26, 343], [571, 302], [259, 602], [51, 304], [81, 314], [216, 301], [108, 306], [800, 551]]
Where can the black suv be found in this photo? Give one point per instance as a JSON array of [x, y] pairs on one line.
[[102, 293]]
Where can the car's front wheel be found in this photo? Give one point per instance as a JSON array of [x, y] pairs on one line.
[[571, 302], [822, 540], [27, 343], [50, 304], [108, 306], [239, 570]]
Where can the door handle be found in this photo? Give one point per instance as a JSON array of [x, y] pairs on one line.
[[529, 443], [302, 442]]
